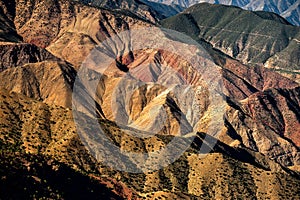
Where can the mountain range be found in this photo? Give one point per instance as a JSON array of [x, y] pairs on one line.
[[254, 38], [45, 43], [144, 9], [289, 9]]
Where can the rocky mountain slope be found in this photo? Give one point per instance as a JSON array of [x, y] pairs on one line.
[[264, 124], [74, 29], [49, 136], [59, 46], [259, 79], [18, 54], [257, 149], [265, 40], [290, 9], [47, 81]]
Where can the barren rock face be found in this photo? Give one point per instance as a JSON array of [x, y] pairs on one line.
[[158, 94], [268, 122], [17, 54], [39, 29], [262, 115], [242, 81]]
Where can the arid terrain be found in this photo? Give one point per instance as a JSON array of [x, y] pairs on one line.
[[44, 45]]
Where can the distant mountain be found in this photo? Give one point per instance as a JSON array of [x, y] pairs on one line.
[[289, 9], [151, 11], [165, 11], [254, 38]]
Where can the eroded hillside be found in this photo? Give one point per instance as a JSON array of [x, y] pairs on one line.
[[43, 46], [48, 132]]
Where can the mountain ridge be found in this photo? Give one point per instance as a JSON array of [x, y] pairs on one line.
[[147, 10], [247, 42], [288, 9]]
